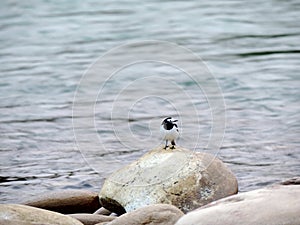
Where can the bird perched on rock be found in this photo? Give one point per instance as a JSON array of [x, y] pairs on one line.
[[169, 131]]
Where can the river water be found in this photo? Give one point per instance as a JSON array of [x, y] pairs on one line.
[[251, 49]]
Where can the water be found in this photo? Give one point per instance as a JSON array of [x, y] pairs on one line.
[[252, 48]]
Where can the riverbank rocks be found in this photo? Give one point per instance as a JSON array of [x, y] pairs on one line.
[[27, 215], [67, 202], [180, 177], [276, 205], [159, 214]]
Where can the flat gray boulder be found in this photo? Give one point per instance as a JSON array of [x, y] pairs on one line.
[[179, 177], [27, 215], [276, 205]]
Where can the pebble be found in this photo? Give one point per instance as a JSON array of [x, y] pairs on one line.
[[91, 219], [103, 211]]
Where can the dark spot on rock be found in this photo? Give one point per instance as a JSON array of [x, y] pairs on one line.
[[235, 199], [112, 205]]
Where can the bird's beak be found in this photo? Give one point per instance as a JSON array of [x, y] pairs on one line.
[[175, 120]]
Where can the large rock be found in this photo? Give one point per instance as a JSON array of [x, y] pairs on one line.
[[159, 214], [67, 201], [179, 177], [276, 205], [27, 215]]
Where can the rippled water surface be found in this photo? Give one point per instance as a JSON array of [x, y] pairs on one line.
[[251, 48]]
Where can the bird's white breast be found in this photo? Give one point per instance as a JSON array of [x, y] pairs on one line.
[[169, 135]]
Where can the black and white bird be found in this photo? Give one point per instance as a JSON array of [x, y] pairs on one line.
[[169, 131]]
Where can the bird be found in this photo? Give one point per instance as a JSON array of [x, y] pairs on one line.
[[169, 131]]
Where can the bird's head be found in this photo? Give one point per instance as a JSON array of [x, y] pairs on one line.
[[169, 120]]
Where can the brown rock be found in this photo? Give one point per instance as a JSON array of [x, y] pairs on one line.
[[292, 181], [91, 219], [276, 205], [67, 202], [180, 177], [27, 215], [158, 214]]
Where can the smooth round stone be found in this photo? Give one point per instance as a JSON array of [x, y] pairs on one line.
[[67, 201], [276, 205], [27, 215], [180, 177], [158, 214]]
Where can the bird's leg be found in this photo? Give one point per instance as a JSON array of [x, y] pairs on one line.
[[173, 144], [166, 144]]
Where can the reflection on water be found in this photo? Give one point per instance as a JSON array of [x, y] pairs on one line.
[[252, 48]]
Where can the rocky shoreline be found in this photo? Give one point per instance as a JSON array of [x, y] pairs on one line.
[[163, 187]]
